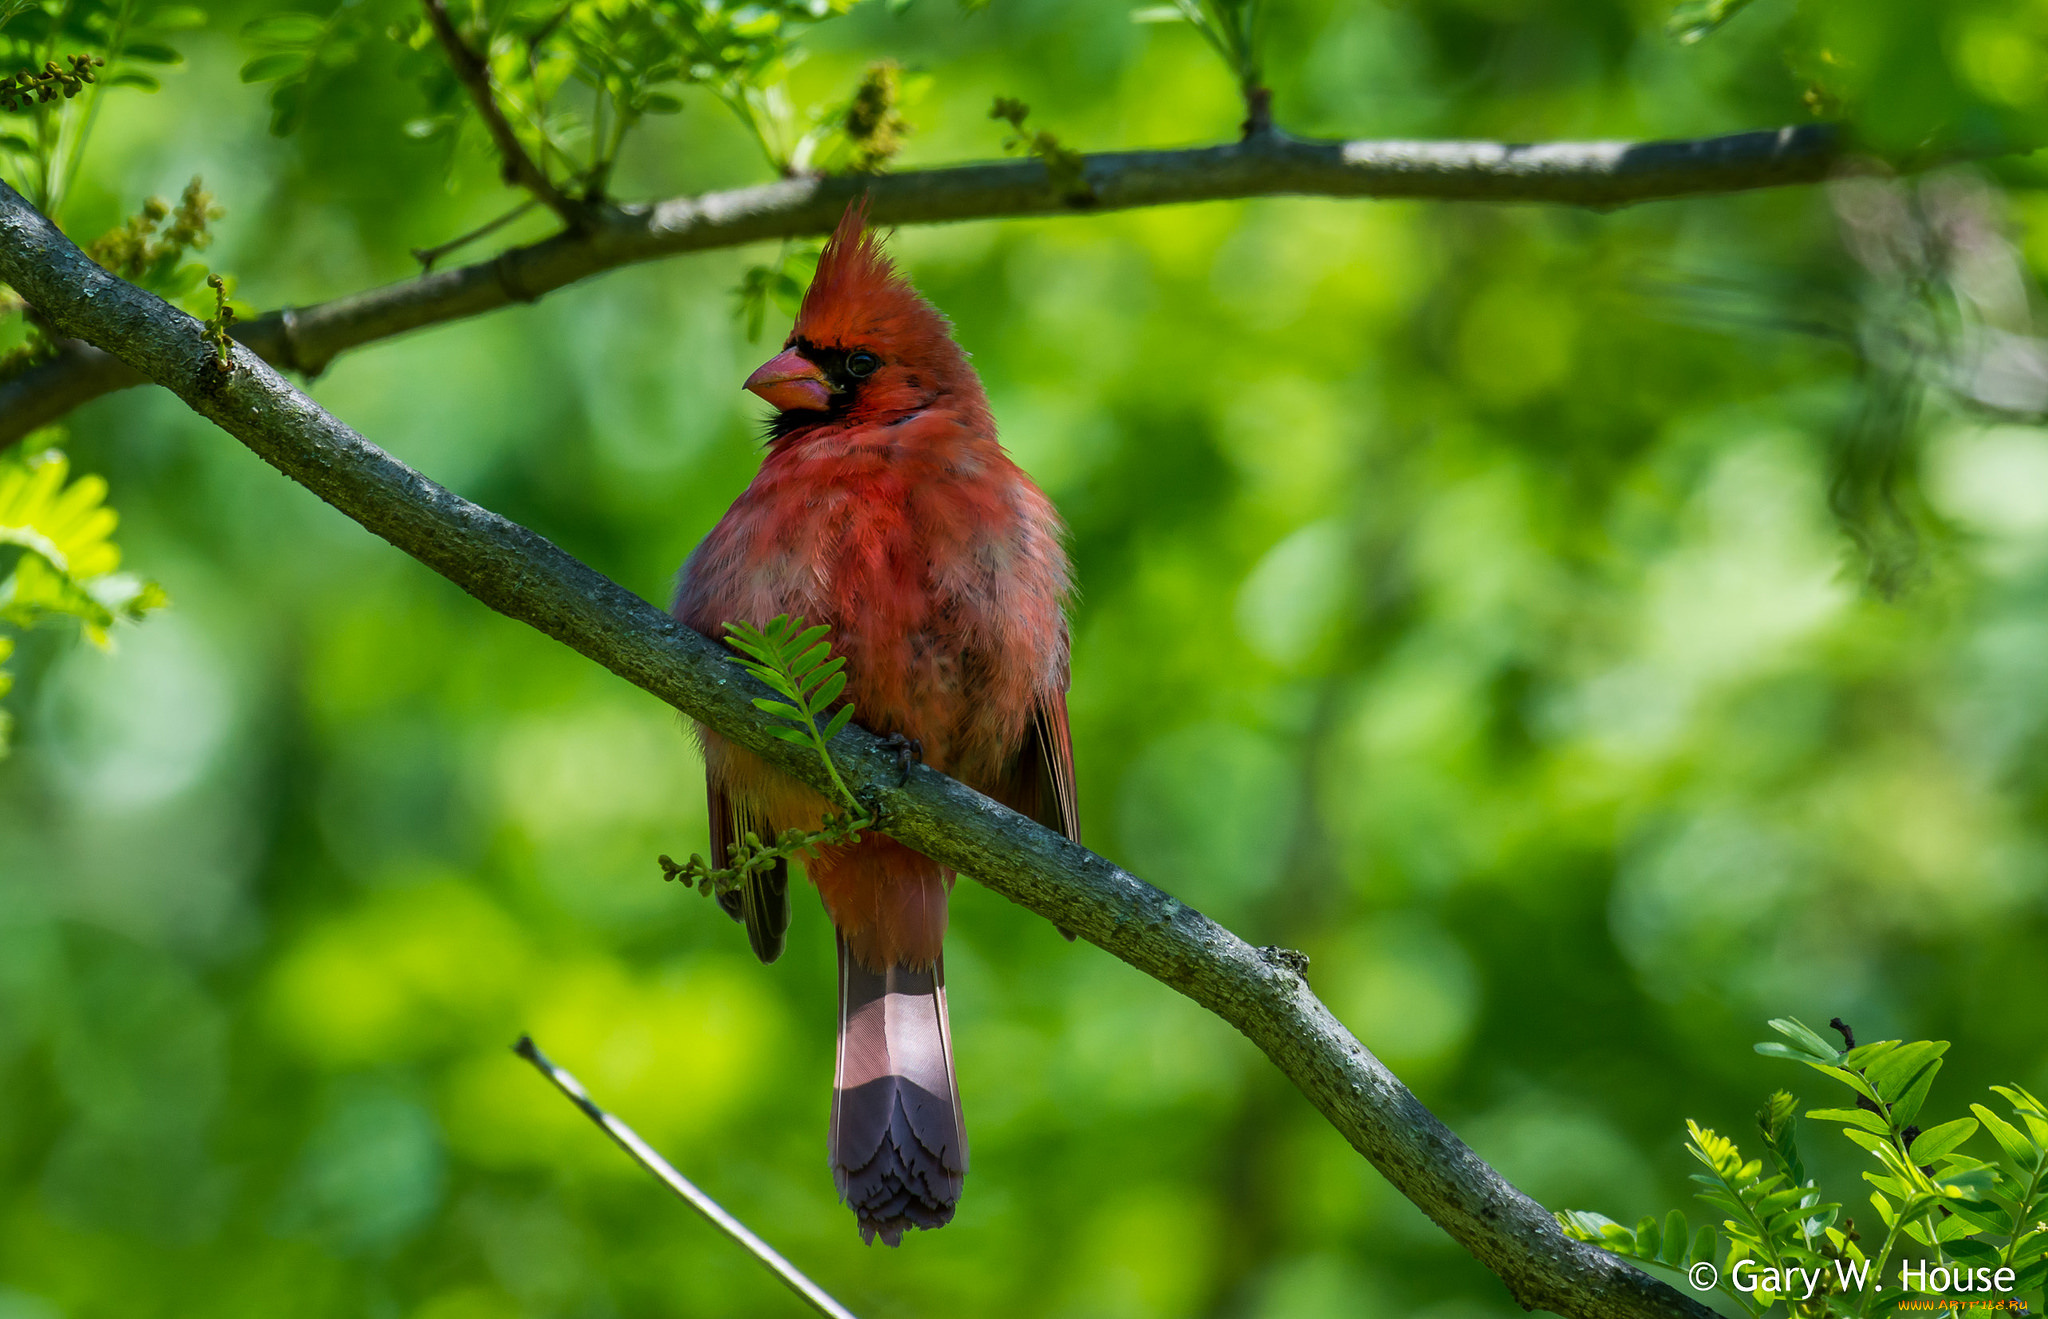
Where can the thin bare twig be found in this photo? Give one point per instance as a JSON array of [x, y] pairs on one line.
[[427, 256], [474, 73], [714, 1213]]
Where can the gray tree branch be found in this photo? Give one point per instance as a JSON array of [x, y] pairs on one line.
[[1597, 174], [522, 575]]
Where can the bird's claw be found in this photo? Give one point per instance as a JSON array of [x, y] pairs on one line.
[[909, 751]]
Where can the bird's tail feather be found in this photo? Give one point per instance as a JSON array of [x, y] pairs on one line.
[[899, 1150]]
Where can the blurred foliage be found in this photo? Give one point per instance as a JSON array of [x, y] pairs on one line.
[[1462, 604], [1937, 1207], [1695, 19]]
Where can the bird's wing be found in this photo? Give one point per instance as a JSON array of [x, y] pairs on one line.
[[761, 902], [1045, 773], [1046, 768]]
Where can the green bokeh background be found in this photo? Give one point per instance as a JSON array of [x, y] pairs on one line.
[[1458, 604]]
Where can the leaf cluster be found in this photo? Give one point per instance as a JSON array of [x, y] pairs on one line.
[[1773, 1215], [20, 90], [66, 565], [873, 123], [750, 855], [117, 35], [1931, 1198], [147, 248], [573, 80], [796, 662], [64, 55], [296, 51]]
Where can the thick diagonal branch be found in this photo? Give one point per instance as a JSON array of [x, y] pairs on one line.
[[473, 71], [1599, 174], [522, 575]]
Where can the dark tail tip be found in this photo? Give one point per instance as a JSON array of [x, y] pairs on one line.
[[906, 1179]]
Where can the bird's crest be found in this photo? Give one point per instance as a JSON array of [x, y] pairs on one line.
[[858, 296]]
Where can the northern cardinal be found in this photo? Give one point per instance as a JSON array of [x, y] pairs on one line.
[[886, 509]]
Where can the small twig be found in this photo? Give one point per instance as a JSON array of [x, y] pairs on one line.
[[217, 328], [644, 1155], [427, 256], [475, 76]]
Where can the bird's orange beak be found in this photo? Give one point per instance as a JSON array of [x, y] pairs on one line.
[[792, 381]]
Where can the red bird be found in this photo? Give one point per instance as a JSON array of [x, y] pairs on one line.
[[886, 508]]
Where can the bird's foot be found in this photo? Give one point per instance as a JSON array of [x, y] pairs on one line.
[[909, 751]]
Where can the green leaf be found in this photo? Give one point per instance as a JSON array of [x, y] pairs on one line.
[[2026, 1155], [2030, 1112], [1861, 1117], [287, 107], [819, 675], [1893, 1073], [1585, 1225], [1955, 1230], [1908, 1104], [780, 709], [1984, 1216], [1934, 1142], [1702, 1251], [1676, 1234], [1864, 1056], [797, 736], [1805, 1039], [175, 18], [775, 681], [150, 52], [829, 692], [134, 78], [1776, 1121], [1848, 1078], [1967, 1183], [289, 29], [838, 722], [267, 68]]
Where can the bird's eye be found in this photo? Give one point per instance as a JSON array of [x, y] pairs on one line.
[[862, 364]]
